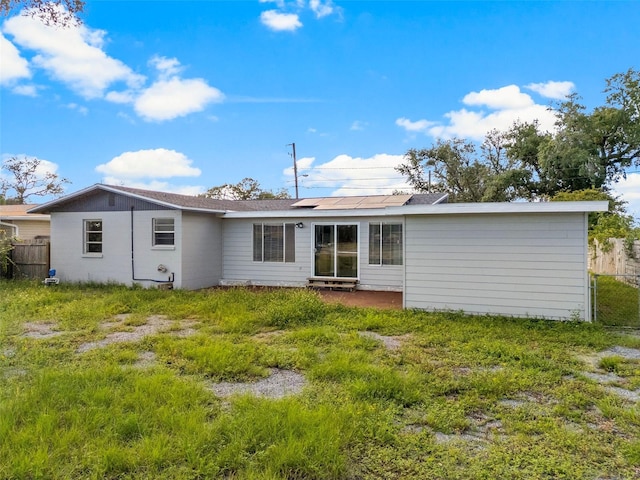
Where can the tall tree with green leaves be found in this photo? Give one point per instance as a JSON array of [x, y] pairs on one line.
[[586, 150], [245, 189]]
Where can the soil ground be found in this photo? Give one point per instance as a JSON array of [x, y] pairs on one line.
[[364, 298]]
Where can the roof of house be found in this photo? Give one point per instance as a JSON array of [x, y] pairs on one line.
[[189, 202], [371, 205]]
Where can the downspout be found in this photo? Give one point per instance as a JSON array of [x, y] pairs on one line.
[[133, 263], [11, 225]]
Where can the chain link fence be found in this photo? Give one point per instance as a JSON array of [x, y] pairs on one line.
[[615, 300]]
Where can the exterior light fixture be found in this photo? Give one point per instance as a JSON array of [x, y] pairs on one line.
[[299, 225]]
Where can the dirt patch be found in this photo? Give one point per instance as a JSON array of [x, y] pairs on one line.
[[155, 324], [390, 343], [40, 330], [145, 360], [280, 383], [609, 380], [363, 298]]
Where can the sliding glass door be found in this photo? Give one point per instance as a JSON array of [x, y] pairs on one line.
[[336, 251]]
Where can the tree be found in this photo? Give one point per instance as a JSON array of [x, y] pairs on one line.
[[27, 179], [614, 223], [585, 151], [245, 189], [61, 13], [455, 167]]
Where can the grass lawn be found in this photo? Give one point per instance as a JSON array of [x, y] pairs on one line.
[[617, 303], [109, 382]]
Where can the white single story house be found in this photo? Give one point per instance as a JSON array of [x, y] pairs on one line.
[[518, 259]]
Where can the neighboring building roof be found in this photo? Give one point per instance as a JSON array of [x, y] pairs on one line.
[[19, 212]]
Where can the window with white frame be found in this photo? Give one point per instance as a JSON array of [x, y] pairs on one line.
[[163, 232], [385, 243], [274, 242], [92, 236]]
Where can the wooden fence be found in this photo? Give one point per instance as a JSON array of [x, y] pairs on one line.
[[30, 259], [616, 261]]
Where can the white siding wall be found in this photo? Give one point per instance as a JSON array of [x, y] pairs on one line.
[[239, 267], [378, 277], [114, 264], [201, 250], [521, 265]]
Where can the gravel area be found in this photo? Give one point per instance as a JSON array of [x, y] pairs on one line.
[[280, 383], [40, 330], [155, 324], [390, 343]]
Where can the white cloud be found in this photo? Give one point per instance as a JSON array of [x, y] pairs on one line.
[[358, 125], [554, 90], [321, 9], [488, 110], [26, 90], [167, 67], [287, 15], [629, 189], [169, 99], [78, 108], [509, 97], [417, 126], [127, 96], [156, 163], [348, 175], [12, 66], [279, 3], [280, 22], [72, 55]]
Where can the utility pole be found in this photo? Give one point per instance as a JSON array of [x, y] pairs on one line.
[[295, 167]]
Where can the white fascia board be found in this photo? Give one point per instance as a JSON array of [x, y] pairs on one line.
[[29, 218], [438, 209]]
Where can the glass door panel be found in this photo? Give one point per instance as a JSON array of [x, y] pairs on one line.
[[324, 263], [347, 251], [336, 251]]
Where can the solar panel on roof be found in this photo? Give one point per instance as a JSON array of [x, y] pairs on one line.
[[350, 203]]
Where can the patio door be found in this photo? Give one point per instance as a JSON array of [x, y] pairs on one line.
[[336, 251]]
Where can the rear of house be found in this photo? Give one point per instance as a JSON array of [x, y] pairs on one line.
[[517, 259]]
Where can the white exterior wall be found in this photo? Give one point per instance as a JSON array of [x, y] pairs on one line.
[[114, 263], [239, 267], [510, 264], [201, 250]]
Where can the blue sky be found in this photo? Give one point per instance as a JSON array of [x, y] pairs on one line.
[[183, 96]]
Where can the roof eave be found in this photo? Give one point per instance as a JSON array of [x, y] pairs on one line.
[[435, 209], [46, 207]]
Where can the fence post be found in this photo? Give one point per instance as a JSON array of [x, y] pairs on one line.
[[595, 297]]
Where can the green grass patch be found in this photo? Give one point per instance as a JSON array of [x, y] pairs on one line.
[[461, 397], [618, 303]]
